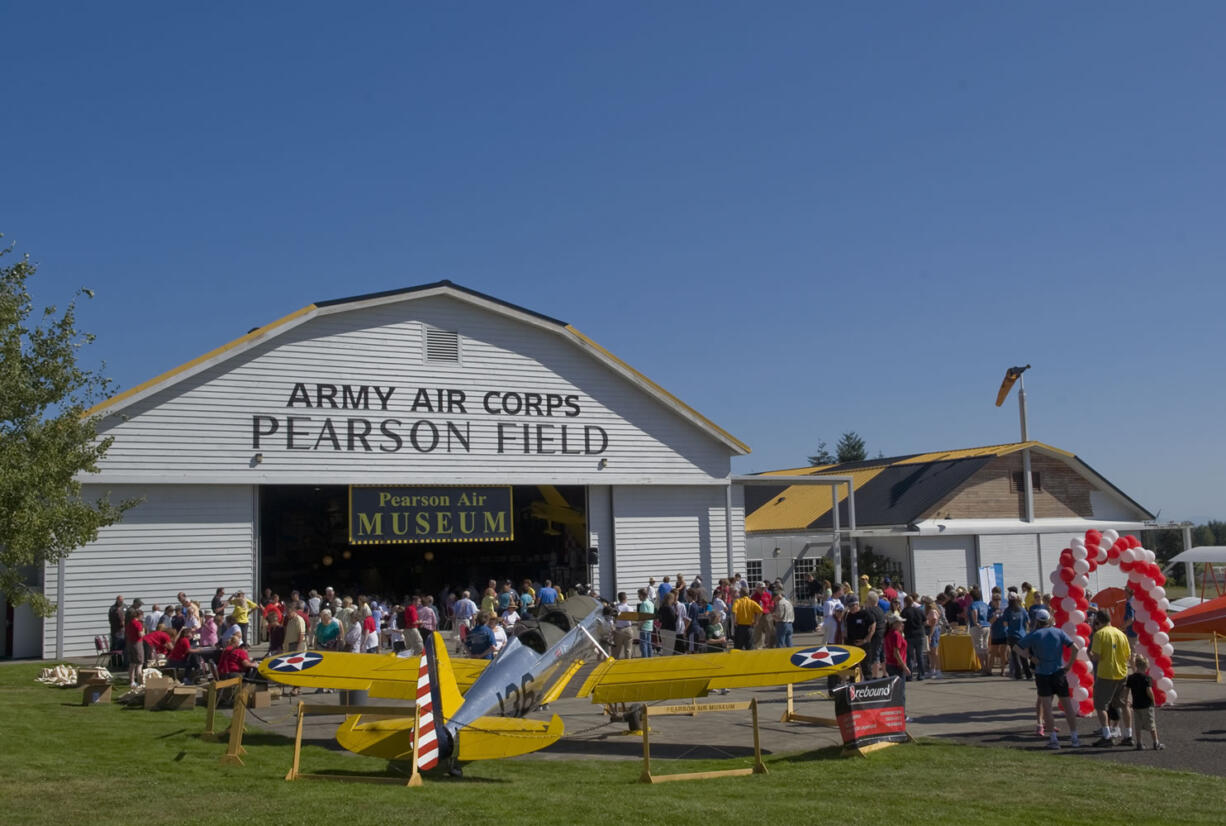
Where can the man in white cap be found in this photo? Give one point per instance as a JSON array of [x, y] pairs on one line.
[[1046, 645]]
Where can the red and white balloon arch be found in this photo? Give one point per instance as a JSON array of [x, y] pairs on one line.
[[1149, 604]]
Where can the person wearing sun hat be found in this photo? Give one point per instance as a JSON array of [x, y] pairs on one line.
[[862, 590]]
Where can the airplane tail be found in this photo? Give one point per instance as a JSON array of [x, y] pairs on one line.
[[438, 697]]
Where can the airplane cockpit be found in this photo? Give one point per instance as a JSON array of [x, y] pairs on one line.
[[543, 632]]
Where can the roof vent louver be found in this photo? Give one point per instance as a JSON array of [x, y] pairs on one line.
[[442, 345]]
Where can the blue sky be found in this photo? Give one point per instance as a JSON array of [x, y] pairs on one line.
[[801, 218]]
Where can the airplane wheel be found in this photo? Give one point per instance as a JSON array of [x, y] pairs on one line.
[[636, 717]]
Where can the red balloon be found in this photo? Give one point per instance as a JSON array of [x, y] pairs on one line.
[[1066, 558], [1092, 563], [1093, 536], [1163, 662], [1160, 579], [1077, 592], [1155, 650], [1159, 697], [1132, 541], [1084, 630], [1113, 555], [1067, 574]]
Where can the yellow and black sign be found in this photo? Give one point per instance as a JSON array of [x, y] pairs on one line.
[[379, 514]]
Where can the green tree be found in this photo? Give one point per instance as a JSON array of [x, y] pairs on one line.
[[45, 438], [851, 447], [823, 455]]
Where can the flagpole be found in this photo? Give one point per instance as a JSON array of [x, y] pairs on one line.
[[1026, 476]]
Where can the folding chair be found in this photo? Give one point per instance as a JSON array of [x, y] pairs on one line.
[[104, 655]]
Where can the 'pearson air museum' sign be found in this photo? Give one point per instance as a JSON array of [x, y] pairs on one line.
[[382, 514], [391, 419]]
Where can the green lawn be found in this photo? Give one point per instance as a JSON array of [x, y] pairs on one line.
[[67, 763]]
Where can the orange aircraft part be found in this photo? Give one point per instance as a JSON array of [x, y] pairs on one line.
[[1203, 619]]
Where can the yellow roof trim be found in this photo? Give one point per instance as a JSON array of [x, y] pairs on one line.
[[974, 452], [209, 356], [798, 506], [703, 419]]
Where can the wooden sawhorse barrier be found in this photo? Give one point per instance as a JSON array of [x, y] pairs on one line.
[[1211, 636], [304, 709], [699, 708]]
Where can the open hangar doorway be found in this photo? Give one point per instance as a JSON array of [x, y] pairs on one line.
[[304, 544]]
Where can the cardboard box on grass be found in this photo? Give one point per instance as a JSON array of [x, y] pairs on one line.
[[181, 697], [96, 693], [156, 689]]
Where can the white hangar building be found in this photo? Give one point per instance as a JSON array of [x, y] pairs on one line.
[[397, 442]]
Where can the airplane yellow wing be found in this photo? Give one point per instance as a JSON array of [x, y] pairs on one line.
[[383, 675], [695, 675]]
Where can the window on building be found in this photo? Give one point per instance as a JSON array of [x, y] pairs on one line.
[[442, 345], [1017, 482], [801, 568], [753, 570]]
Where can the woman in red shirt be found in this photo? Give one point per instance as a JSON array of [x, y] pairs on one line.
[[181, 655], [134, 649], [234, 659], [896, 656]]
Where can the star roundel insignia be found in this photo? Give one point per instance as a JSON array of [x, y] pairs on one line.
[[296, 662], [820, 657]]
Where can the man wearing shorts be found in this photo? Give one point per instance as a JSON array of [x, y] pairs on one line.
[[1109, 651], [1045, 645]]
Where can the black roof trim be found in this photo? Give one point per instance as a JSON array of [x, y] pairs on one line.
[[433, 286]]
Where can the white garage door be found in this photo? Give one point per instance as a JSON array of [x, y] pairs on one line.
[[941, 561], [1019, 553]]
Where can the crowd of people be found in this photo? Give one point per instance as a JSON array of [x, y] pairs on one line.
[[1011, 632]]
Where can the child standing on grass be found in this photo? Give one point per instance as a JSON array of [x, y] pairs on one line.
[[1142, 690]]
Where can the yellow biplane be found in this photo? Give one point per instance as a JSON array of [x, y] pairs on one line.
[[477, 707]]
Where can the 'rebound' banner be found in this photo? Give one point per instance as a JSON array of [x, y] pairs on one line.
[[871, 712]]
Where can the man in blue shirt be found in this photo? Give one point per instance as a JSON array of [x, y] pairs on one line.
[[979, 625], [547, 595], [1045, 645]]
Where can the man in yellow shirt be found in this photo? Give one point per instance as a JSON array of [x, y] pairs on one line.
[[241, 613], [1110, 652], [746, 612]]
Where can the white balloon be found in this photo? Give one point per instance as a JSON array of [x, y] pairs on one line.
[[1101, 559], [1054, 577], [1168, 650], [1082, 641], [1060, 589], [1126, 555], [1080, 553], [1076, 542], [1164, 604], [1147, 584], [1069, 604], [1081, 695], [1158, 593], [1081, 566], [1151, 627], [1069, 628], [1165, 684], [1140, 614], [1110, 536], [1150, 556], [1167, 623], [1077, 617], [1161, 638], [1155, 672], [1171, 696]]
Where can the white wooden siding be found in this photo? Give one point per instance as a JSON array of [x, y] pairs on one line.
[[200, 429], [941, 561], [181, 538], [663, 531]]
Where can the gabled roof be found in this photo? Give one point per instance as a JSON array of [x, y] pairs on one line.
[[889, 491], [262, 335]]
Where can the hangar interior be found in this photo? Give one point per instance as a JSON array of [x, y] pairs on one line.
[[304, 543]]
